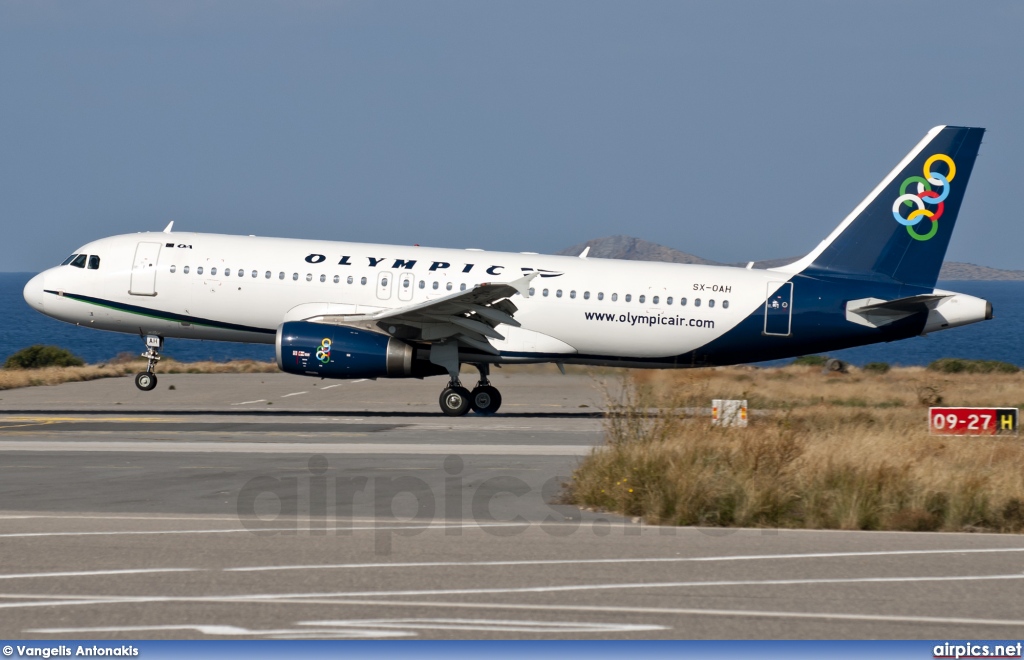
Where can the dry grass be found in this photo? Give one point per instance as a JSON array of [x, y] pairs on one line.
[[14, 378], [832, 451]]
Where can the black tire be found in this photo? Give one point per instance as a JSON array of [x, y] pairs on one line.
[[454, 401], [485, 400], [145, 381]]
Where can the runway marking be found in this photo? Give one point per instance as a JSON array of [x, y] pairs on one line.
[[236, 631], [361, 380], [327, 387], [327, 599], [166, 446], [621, 560], [295, 528], [135, 571], [377, 627], [242, 403], [648, 585], [674, 610], [285, 396]]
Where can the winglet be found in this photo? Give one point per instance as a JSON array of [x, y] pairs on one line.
[[586, 251], [522, 285], [170, 225]]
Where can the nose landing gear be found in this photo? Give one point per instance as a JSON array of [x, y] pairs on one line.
[[146, 381]]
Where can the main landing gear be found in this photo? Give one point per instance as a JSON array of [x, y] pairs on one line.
[[146, 381], [485, 399]]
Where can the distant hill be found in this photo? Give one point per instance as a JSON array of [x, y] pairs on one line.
[[637, 249]]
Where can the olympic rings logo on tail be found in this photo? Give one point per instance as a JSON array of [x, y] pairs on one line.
[[323, 353], [925, 196]]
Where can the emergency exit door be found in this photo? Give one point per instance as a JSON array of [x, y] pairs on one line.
[[778, 309]]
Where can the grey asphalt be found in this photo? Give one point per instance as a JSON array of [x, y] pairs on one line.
[[334, 518]]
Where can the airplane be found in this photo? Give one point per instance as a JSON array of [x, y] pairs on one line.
[[351, 310]]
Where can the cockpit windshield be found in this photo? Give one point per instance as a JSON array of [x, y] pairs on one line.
[[68, 260], [79, 261]]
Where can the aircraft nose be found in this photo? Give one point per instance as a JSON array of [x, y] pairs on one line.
[[33, 291]]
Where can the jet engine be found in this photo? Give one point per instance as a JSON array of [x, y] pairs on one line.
[[334, 351]]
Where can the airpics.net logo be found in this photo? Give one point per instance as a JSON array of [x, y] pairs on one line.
[[977, 650], [925, 196]]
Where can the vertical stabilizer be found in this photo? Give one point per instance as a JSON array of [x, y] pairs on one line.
[[900, 232]]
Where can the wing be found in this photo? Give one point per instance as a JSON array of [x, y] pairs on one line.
[[469, 316]]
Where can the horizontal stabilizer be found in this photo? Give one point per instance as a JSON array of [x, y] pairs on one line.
[[874, 312]]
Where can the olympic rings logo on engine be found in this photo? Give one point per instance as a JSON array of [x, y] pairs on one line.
[[925, 196], [323, 352]]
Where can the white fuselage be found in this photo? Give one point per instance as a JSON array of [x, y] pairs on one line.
[[241, 288]]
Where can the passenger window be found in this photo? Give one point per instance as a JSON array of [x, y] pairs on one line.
[[462, 287], [199, 270], [68, 260], [668, 301], [544, 293], [435, 286], [406, 282], [213, 271], [629, 297], [448, 286], [725, 304], [558, 294], [572, 294], [241, 272], [586, 295], [423, 284], [600, 295], [280, 275], [532, 291], [682, 302], [711, 303], [268, 274], [79, 261], [309, 277], [362, 280], [384, 281], [696, 302], [337, 279], [323, 278], [185, 270], [643, 298], [254, 274], [615, 297], [295, 277], [349, 280], [94, 262], [655, 300], [173, 268]]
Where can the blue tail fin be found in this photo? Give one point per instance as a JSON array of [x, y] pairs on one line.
[[900, 232]]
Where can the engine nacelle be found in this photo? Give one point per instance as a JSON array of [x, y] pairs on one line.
[[334, 351]]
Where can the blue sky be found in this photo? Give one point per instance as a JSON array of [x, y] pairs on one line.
[[731, 130]]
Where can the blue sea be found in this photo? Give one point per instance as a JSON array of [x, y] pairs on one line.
[[998, 339]]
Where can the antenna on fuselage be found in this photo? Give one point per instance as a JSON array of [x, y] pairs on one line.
[[170, 225]]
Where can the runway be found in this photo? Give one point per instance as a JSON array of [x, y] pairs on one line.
[[352, 522]]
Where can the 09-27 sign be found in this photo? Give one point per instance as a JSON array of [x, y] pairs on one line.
[[972, 421]]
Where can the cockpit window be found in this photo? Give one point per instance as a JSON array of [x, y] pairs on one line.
[[79, 261], [68, 260], [94, 262]]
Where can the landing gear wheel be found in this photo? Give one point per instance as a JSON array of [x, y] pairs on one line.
[[455, 401], [485, 400], [145, 381]]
